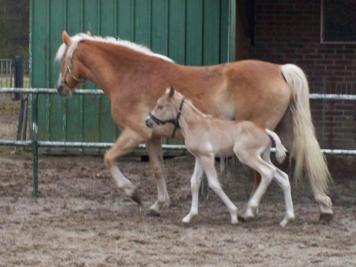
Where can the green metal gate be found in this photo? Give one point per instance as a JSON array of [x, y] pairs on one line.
[[192, 32]]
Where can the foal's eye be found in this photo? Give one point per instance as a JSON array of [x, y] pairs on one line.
[[160, 107]]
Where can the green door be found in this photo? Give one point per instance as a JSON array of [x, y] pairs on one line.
[[191, 32]]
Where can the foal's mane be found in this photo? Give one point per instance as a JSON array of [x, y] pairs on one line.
[[190, 103], [76, 39]]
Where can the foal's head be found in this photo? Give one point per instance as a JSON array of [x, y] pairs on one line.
[[166, 109], [71, 69]]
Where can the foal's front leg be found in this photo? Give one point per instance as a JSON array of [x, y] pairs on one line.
[[156, 160], [195, 182], [208, 164]]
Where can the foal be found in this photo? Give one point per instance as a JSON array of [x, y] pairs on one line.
[[207, 137]]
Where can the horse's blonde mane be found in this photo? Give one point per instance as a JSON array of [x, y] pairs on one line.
[[76, 39]]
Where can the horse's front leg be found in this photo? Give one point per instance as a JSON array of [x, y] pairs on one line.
[[195, 185], [128, 140], [156, 160]]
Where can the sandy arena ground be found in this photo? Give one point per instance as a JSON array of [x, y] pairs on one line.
[[81, 219]]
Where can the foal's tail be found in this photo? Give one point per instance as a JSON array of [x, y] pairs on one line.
[[280, 149], [305, 149]]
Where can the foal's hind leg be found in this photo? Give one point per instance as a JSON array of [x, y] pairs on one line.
[[283, 181], [267, 172], [195, 185], [214, 184]]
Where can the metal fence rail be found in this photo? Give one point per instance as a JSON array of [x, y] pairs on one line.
[[35, 144], [332, 97], [100, 92], [49, 91]]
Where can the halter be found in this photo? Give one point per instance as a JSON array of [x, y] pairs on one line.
[[174, 121], [69, 70]]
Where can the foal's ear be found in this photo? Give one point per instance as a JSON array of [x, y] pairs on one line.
[[171, 91], [66, 38]]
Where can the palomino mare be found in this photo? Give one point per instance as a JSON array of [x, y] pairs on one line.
[[133, 77], [207, 137]]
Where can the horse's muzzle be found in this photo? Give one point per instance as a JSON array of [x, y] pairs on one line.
[[60, 90], [149, 122]]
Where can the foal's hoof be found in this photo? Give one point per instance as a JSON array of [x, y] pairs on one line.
[[250, 214], [241, 218], [136, 197], [325, 217], [286, 220], [153, 213], [234, 222], [248, 218]]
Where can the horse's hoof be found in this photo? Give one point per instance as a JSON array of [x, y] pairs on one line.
[[136, 197], [325, 217], [153, 213]]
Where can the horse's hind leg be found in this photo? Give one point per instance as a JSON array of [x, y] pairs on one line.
[[214, 184], [125, 143], [195, 185], [283, 181], [154, 151]]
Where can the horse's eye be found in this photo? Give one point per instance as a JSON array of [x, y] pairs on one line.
[[160, 107]]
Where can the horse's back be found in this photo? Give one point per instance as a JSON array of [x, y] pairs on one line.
[[258, 91]]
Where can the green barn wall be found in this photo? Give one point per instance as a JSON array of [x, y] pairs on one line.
[[192, 32]]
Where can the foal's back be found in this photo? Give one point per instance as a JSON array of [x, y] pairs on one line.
[[222, 136]]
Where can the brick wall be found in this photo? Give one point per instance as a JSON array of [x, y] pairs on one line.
[[288, 31], [14, 30]]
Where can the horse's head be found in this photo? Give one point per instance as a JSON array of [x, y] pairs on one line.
[[71, 69], [166, 110]]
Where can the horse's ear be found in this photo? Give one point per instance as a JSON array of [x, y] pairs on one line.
[[171, 91], [66, 38]]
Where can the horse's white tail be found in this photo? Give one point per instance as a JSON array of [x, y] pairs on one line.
[[305, 149], [280, 149]]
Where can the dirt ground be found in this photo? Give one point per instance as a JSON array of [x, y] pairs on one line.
[[8, 117], [81, 219]]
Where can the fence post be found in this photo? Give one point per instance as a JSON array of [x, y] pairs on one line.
[[18, 75], [34, 131], [22, 120]]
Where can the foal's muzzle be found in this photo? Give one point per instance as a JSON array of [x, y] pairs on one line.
[[149, 122]]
